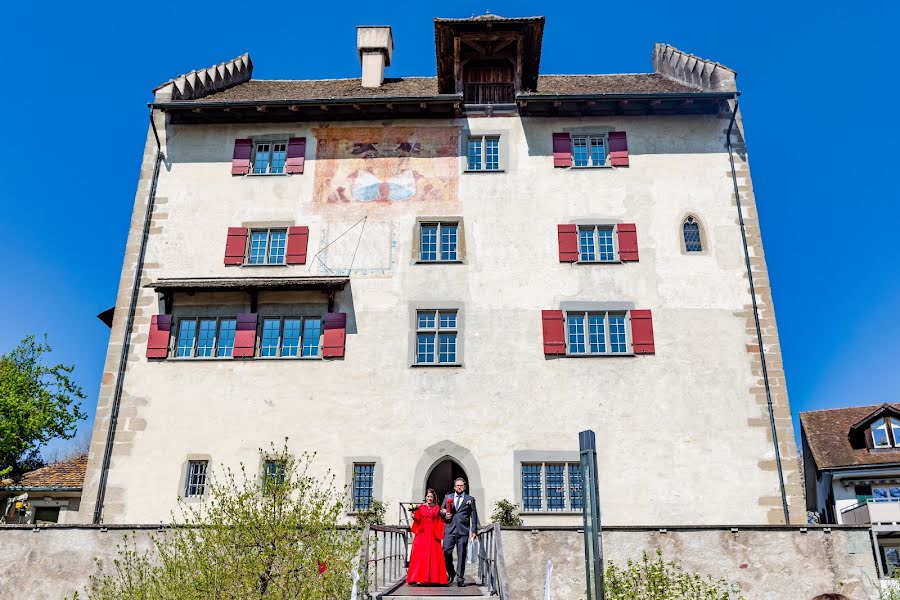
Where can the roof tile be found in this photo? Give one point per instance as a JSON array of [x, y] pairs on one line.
[[65, 474], [827, 434]]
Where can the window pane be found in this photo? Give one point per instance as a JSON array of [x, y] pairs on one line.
[[880, 494], [474, 154], [226, 337], [692, 236], [448, 347], [196, 478], [895, 431], [279, 155], [262, 158], [448, 320], [617, 334], [556, 487], [271, 330], [879, 434], [274, 472], [605, 244], [425, 348], [597, 333], [429, 242], [186, 331], [579, 151], [277, 245], [206, 338], [290, 344], [312, 332], [258, 247], [531, 487], [426, 320], [586, 244], [363, 486], [576, 334], [576, 502], [598, 152], [491, 154], [448, 242]]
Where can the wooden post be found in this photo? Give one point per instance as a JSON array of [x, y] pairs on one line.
[[519, 63], [457, 65]]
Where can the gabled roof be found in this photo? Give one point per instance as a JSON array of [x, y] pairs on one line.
[[828, 433], [64, 475]]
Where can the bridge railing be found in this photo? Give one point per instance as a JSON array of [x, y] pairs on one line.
[[383, 558], [491, 568]]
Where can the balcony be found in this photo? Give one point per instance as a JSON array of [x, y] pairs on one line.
[[490, 93], [871, 512]]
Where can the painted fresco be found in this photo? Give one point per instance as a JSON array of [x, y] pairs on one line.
[[387, 164]]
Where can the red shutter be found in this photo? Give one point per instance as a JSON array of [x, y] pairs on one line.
[[235, 245], [562, 150], [568, 242], [298, 238], [245, 336], [618, 149], [628, 246], [554, 332], [642, 332], [240, 161], [335, 327], [158, 341], [296, 155]]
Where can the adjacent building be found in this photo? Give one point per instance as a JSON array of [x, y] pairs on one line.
[[51, 494], [421, 278]]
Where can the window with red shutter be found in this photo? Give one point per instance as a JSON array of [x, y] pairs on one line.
[[618, 149], [568, 242], [335, 335], [235, 245], [297, 242], [296, 155], [240, 160], [628, 244], [245, 336], [562, 150], [554, 332], [642, 332], [160, 332]]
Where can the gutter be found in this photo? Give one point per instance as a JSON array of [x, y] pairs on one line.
[[759, 340], [126, 341], [38, 488]]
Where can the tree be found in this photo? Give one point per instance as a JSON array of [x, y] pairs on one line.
[[275, 536], [658, 579], [37, 403], [506, 514]]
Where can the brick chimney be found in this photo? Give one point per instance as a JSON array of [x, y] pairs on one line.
[[376, 46]]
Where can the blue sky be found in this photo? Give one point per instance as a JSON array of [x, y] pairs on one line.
[[818, 86]]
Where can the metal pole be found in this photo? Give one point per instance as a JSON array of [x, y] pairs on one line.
[[590, 489]]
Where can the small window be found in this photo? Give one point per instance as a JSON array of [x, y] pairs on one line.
[[436, 337], [269, 157], [596, 333], [483, 153], [691, 229], [596, 243], [196, 478], [886, 433], [439, 242], [363, 485], [205, 337], [885, 494], [589, 151], [267, 247], [551, 486], [291, 337], [274, 473]]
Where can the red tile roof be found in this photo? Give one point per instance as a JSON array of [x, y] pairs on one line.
[[64, 474], [827, 432]]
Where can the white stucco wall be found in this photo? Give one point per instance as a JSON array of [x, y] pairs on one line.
[[682, 438]]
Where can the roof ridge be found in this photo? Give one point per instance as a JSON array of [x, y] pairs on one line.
[[855, 407]]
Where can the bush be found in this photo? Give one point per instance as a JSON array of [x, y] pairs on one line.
[[374, 515], [506, 514], [658, 579]]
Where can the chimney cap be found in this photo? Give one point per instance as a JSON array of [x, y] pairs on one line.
[[375, 38]]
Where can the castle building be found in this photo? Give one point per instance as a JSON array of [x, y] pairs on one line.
[[420, 278]]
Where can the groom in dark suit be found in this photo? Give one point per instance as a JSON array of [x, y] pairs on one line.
[[458, 509]]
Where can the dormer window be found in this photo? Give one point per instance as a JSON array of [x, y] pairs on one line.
[[886, 433]]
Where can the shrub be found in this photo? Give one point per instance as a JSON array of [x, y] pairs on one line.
[[506, 514], [658, 579]]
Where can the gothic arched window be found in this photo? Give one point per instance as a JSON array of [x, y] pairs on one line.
[[691, 230]]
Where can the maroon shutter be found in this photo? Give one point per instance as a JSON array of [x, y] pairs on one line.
[[568, 242], [642, 332], [158, 341], [618, 149], [245, 336], [562, 150], [554, 332], [296, 155], [335, 336], [298, 238], [240, 161], [628, 246], [235, 245]]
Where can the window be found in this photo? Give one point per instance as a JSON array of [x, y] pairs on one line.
[[274, 473], [589, 150], [205, 337], [196, 478], [483, 153], [267, 247], [269, 157], [551, 486], [363, 485], [590, 333], [886, 494], [596, 243], [436, 337], [886, 433], [691, 230], [439, 242], [291, 337]]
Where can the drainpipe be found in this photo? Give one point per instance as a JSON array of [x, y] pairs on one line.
[[759, 340], [126, 342]]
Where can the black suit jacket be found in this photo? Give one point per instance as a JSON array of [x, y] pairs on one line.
[[464, 519]]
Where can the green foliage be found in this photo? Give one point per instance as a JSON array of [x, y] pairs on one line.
[[374, 515], [276, 539], [658, 579], [506, 514], [37, 403], [890, 593]]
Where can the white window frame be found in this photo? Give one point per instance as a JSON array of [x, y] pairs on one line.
[[194, 343], [437, 330], [544, 508], [280, 347], [188, 484], [440, 232], [271, 144], [586, 314], [615, 242], [589, 139], [269, 231], [483, 138]]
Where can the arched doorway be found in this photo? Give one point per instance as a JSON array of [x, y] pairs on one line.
[[442, 475]]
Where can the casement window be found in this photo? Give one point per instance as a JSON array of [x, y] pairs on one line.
[[589, 151], [274, 473], [885, 494], [436, 337], [551, 486], [586, 150], [886, 433], [483, 153], [595, 243], [267, 247], [195, 485], [291, 337], [691, 232], [205, 337], [268, 157], [363, 486], [439, 242], [597, 332], [598, 243]]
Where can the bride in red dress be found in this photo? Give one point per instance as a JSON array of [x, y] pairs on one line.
[[426, 564]]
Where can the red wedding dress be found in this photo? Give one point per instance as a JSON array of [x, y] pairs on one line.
[[426, 564]]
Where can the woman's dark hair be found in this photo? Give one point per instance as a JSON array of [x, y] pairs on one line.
[[433, 493], [831, 597]]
